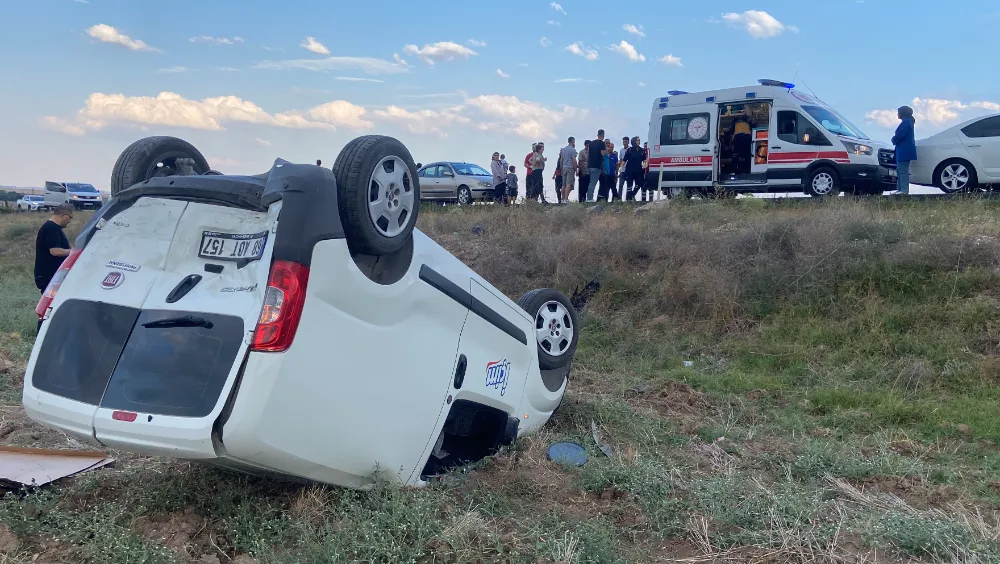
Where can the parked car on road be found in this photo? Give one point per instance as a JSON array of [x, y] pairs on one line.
[[30, 202], [292, 323], [456, 182], [82, 196], [960, 158]]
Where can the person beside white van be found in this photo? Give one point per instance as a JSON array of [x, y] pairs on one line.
[[906, 148]]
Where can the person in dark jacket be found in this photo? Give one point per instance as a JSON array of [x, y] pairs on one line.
[[906, 148], [635, 156]]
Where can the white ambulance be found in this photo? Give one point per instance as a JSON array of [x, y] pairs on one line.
[[765, 138]]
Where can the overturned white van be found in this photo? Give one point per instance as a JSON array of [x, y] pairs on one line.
[[291, 323]]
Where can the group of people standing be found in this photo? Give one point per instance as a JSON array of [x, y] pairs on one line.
[[620, 174]]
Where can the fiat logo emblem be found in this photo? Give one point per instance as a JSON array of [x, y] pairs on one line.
[[112, 280]]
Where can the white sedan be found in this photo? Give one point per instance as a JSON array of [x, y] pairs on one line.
[[963, 157]]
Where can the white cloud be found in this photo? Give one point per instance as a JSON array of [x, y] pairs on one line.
[[758, 23], [216, 40], [440, 51], [310, 44], [357, 79], [263, 142], [544, 41], [108, 34], [522, 64], [634, 30], [935, 112], [340, 113], [576, 80], [168, 109], [671, 60], [554, 23], [82, 1], [368, 65], [58, 124], [642, 84], [558, 8], [580, 51], [502, 74], [423, 122], [628, 51], [228, 69], [171, 70], [475, 43], [529, 120]]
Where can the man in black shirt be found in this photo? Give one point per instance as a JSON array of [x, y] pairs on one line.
[[51, 246], [595, 162]]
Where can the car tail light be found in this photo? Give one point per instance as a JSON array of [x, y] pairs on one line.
[[50, 291], [282, 309]]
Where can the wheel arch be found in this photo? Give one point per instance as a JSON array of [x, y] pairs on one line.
[[820, 163]]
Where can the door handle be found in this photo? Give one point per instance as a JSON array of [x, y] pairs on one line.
[[776, 147], [973, 146], [706, 150]]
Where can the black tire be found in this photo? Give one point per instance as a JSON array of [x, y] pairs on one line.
[[818, 174], [354, 170], [533, 302], [464, 196], [971, 184], [152, 157]]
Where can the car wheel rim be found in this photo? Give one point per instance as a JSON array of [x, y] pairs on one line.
[[822, 183], [554, 328], [463, 196], [955, 177], [390, 196]]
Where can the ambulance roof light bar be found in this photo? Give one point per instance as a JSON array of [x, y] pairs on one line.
[[769, 82]]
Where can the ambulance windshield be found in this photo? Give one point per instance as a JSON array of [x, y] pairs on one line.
[[834, 122]]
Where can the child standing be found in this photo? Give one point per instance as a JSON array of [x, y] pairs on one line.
[[511, 186]]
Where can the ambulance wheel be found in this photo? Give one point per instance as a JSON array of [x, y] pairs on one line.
[[154, 157], [378, 194], [556, 326], [822, 182]]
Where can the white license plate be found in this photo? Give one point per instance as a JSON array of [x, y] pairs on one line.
[[232, 246], [892, 172]]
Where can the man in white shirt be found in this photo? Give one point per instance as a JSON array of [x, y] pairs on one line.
[[567, 158]]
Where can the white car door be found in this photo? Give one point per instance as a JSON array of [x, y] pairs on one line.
[[982, 139], [797, 143], [683, 155]]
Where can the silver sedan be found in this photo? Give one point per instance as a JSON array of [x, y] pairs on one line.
[[455, 182]]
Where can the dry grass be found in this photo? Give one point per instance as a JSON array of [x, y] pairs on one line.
[[796, 383]]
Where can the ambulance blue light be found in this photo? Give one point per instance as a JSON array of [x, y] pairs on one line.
[[676, 92], [751, 94], [663, 104], [663, 99], [710, 99], [769, 82]]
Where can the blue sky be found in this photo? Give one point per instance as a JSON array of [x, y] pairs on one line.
[[244, 82]]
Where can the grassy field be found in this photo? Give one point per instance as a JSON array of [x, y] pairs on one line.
[[803, 382]]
